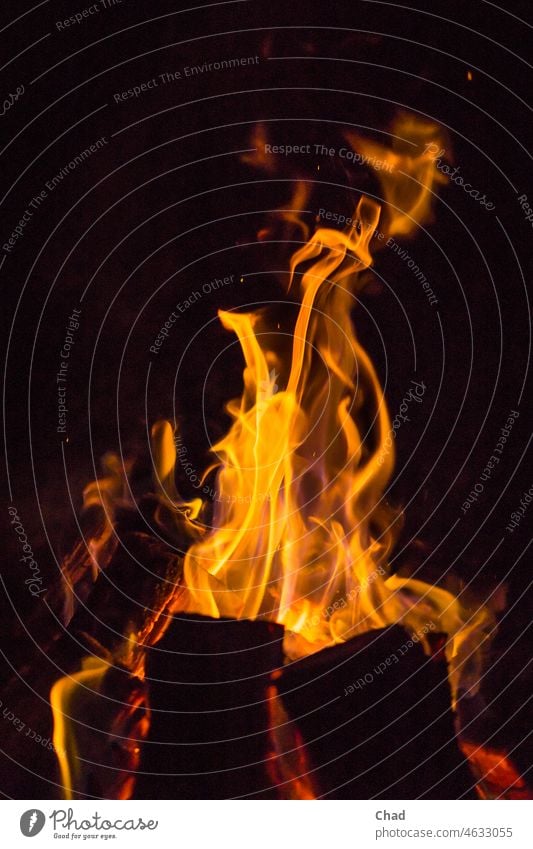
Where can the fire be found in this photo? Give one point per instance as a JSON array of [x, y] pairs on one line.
[[67, 699], [300, 531]]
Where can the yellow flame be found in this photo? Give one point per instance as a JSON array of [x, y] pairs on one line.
[[301, 532], [93, 553]]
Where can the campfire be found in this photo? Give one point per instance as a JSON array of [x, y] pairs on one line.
[[253, 640]]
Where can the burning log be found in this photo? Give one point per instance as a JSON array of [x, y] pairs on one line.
[[209, 730], [496, 774], [376, 719]]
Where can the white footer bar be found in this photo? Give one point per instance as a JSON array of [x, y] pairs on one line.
[[269, 824]]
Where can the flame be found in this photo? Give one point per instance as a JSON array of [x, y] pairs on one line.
[[66, 700], [406, 175], [300, 531], [257, 156], [288, 765], [497, 776], [297, 485]]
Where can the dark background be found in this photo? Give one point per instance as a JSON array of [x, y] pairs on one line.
[[167, 205]]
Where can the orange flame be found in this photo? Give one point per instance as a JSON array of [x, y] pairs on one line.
[[296, 485], [301, 532]]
